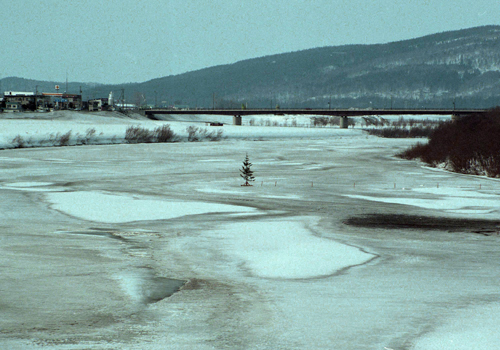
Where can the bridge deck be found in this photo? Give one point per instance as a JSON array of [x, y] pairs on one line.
[[317, 111]]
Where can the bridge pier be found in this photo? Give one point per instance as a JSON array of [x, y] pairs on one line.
[[344, 122], [237, 120]]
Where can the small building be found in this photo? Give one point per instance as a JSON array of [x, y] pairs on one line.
[[98, 104], [26, 100], [214, 124], [125, 106], [12, 107], [31, 101], [61, 101]]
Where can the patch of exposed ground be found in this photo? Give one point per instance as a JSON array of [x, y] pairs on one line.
[[399, 221]]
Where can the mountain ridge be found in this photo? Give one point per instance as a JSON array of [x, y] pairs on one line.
[[457, 68]]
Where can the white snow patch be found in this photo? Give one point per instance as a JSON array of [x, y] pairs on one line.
[[113, 208], [30, 186], [456, 192], [474, 328], [287, 250], [449, 199]]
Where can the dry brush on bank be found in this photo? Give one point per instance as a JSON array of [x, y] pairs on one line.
[[56, 140], [138, 134], [470, 145], [402, 128], [134, 134]]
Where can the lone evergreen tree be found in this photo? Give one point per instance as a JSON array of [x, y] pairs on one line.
[[246, 172]]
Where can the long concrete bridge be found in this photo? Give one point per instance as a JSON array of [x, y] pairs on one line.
[[343, 113]]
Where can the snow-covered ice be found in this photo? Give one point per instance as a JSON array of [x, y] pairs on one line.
[[87, 232], [470, 328], [286, 249], [453, 200], [115, 208]]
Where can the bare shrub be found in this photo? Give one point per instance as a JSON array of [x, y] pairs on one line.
[[164, 134], [216, 136], [87, 139], [398, 132], [324, 121], [18, 142], [332, 121], [401, 122], [371, 121], [413, 152], [90, 133], [63, 140], [138, 134], [192, 133], [469, 145], [319, 121], [198, 134]]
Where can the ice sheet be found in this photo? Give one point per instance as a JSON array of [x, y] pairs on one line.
[[448, 199], [287, 250], [473, 328], [253, 194], [457, 192], [113, 208], [30, 186]]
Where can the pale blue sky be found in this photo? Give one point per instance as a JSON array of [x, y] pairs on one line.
[[117, 41]]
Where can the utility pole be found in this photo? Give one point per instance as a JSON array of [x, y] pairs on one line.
[[122, 99]]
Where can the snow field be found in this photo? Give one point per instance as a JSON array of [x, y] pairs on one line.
[[113, 208], [472, 328], [286, 250], [283, 258], [277, 249]]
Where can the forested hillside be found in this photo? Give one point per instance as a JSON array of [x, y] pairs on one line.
[[460, 68]]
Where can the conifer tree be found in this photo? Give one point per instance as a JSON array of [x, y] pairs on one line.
[[246, 172]]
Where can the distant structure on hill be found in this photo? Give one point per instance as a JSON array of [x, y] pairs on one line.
[[27, 101], [19, 101]]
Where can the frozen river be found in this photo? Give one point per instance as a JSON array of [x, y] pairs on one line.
[[338, 245]]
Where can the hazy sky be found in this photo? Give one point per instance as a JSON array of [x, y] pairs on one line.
[[117, 41]]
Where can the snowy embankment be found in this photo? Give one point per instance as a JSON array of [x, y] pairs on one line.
[[65, 128]]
